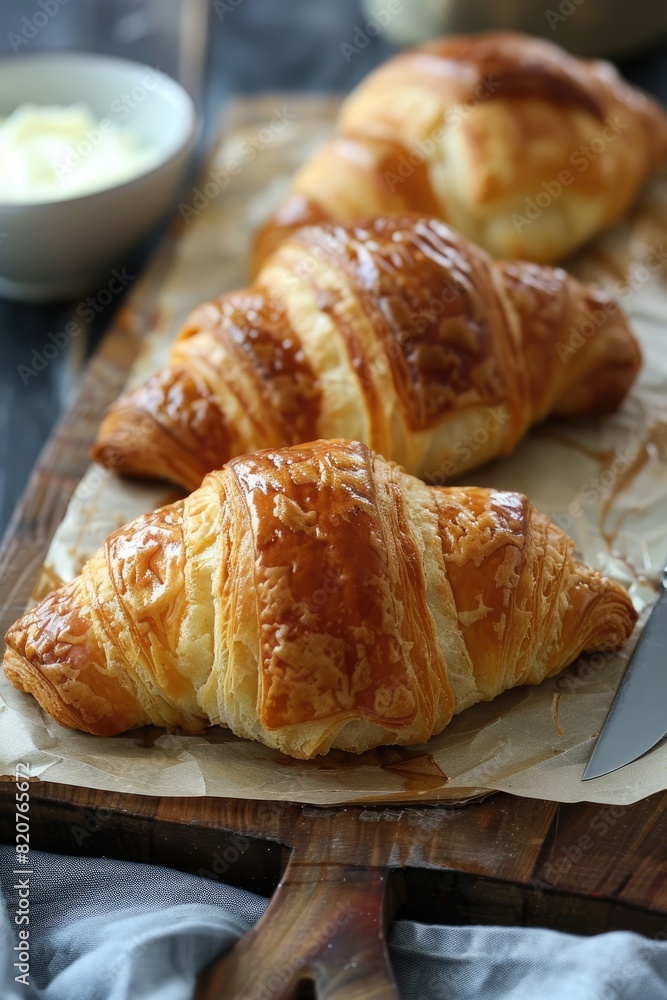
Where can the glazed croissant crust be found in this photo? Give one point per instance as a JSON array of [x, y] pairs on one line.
[[525, 149], [398, 333], [315, 597]]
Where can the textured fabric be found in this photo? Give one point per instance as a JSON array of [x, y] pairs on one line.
[[113, 930], [514, 963]]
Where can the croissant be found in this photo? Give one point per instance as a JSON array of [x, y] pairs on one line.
[[525, 149], [398, 333], [315, 597]]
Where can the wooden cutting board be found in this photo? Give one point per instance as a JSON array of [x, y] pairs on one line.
[[337, 876]]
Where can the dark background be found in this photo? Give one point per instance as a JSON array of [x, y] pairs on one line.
[[257, 45]]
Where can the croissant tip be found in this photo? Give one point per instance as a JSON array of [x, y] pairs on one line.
[[26, 676], [131, 444], [170, 427], [612, 628], [52, 653]]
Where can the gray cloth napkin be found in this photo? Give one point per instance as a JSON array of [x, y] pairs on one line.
[[114, 930]]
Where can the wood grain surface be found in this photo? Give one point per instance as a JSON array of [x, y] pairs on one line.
[[337, 875]]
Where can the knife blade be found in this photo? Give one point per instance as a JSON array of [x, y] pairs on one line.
[[637, 719]]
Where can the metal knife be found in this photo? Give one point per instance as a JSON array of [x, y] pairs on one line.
[[637, 719]]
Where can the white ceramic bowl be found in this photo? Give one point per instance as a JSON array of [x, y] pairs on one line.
[[59, 249]]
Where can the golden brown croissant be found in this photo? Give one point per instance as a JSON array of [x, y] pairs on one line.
[[522, 147], [400, 334], [315, 597]]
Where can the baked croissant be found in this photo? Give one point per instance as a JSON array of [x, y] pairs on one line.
[[315, 597], [398, 333], [524, 148]]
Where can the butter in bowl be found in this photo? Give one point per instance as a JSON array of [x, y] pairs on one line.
[[93, 151]]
